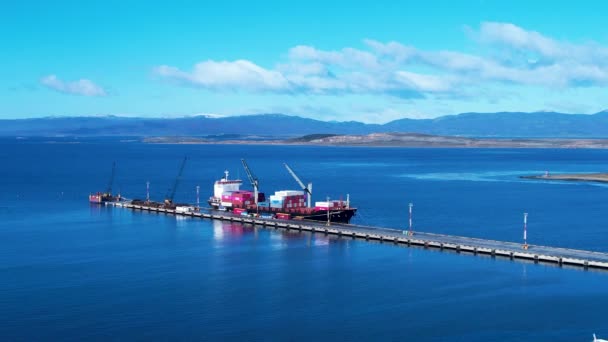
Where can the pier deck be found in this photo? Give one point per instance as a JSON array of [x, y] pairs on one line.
[[459, 244]]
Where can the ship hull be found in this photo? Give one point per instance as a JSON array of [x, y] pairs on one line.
[[339, 216], [342, 215]]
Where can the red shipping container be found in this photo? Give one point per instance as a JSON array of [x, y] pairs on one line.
[[283, 216]]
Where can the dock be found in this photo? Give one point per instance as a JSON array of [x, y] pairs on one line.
[[459, 244]]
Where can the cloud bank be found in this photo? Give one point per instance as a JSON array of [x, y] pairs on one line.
[[510, 55], [81, 87]]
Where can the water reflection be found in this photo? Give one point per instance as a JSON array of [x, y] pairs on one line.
[[225, 230], [97, 209], [279, 238], [182, 221]]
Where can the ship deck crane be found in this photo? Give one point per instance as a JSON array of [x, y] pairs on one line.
[[306, 188], [253, 180], [171, 191], [111, 182]]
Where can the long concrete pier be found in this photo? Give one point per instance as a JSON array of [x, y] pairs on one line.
[[538, 254]]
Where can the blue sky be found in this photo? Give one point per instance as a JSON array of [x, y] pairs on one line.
[[340, 60]]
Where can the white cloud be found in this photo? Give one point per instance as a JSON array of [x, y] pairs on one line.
[[397, 51], [509, 55], [517, 37], [423, 83], [82, 87], [240, 74]]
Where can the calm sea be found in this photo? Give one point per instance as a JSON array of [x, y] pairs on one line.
[[71, 271]]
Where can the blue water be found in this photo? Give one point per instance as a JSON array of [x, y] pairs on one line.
[[71, 271]]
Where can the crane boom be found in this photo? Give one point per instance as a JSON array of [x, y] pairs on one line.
[[252, 179], [307, 189], [111, 182], [171, 192]]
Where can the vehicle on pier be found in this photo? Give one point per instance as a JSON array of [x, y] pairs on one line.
[[284, 204]]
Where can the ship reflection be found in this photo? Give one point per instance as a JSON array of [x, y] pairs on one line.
[[230, 230], [99, 210], [280, 238]]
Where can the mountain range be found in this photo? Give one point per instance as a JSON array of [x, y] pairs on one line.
[[501, 124]]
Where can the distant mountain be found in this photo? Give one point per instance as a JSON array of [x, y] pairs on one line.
[[509, 124], [263, 124], [503, 124]]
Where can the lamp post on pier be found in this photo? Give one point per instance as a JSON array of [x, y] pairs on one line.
[[148, 192], [198, 191], [410, 232], [525, 246], [328, 212]]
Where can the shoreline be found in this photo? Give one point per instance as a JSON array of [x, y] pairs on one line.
[[406, 140], [420, 145], [572, 177]]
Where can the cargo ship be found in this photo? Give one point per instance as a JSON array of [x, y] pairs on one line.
[[283, 205]]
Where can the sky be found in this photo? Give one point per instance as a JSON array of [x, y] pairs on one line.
[[372, 61]]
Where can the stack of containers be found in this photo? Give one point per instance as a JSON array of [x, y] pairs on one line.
[[238, 198], [276, 201], [295, 201], [288, 199], [226, 201], [324, 205]]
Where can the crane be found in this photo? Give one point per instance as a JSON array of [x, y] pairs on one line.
[[253, 180], [109, 189], [171, 191], [307, 189]]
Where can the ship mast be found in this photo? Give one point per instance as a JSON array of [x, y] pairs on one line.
[[111, 182], [171, 192], [307, 189], [253, 180]]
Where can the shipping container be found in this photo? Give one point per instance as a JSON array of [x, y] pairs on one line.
[[283, 216], [239, 211], [289, 193]]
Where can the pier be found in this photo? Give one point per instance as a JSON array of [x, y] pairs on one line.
[[511, 250]]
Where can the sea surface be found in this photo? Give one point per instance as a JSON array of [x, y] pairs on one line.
[[72, 271]]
